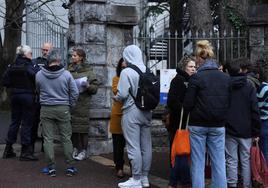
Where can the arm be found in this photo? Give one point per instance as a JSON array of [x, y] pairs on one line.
[[73, 91], [123, 87], [255, 114], [191, 94], [92, 83], [176, 94], [114, 84]]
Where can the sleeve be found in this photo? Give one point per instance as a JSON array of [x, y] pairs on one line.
[[255, 114], [176, 94], [73, 91], [37, 86], [123, 87], [114, 84], [93, 83], [191, 94]]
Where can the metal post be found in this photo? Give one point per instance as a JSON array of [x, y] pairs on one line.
[[27, 22]]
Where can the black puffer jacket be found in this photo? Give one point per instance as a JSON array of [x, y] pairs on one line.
[[208, 96], [176, 95], [243, 118]]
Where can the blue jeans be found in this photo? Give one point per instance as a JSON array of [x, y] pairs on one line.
[[180, 172], [264, 139], [214, 139]]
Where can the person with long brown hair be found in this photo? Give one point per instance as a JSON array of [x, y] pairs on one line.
[[88, 85]]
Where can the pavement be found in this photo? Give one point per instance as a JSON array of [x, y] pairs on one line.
[[94, 172]]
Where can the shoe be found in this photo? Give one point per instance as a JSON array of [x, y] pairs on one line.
[[28, 157], [49, 171], [75, 152], [81, 156], [130, 183], [120, 173], [9, 153], [145, 181], [71, 171]]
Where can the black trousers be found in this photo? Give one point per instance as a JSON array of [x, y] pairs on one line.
[[118, 150]]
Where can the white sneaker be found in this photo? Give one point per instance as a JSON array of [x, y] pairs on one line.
[[75, 152], [81, 156], [145, 181], [130, 183]]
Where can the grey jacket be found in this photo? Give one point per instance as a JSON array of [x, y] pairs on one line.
[[56, 87]]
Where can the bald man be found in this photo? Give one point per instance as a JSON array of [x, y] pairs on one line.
[[41, 62], [45, 49]]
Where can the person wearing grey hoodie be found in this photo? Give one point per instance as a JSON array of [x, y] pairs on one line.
[[136, 124], [58, 94]]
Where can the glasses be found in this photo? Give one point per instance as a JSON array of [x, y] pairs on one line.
[[46, 50]]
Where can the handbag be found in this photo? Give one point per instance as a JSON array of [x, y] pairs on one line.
[[181, 142], [259, 168]]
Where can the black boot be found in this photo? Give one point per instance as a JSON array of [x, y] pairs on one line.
[[9, 153], [27, 153]]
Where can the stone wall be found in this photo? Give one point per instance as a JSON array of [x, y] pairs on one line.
[[258, 31], [102, 28]]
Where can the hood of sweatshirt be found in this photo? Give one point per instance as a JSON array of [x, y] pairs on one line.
[[133, 55], [52, 72], [238, 81]]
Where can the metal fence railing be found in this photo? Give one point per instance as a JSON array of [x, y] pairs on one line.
[[158, 50]]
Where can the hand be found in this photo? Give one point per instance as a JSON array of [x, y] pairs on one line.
[[84, 84]]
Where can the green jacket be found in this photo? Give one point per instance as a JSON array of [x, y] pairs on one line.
[[80, 113]]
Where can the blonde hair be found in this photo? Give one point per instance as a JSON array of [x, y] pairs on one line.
[[204, 49]]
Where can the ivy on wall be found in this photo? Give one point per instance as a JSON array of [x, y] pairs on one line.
[[235, 18]]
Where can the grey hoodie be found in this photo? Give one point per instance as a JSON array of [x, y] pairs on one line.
[[129, 78], [56, 87]]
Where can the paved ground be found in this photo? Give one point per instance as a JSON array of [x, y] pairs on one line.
[[97, 171]]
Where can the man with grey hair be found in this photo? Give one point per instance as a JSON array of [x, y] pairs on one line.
[[45, 49], [58, 94]]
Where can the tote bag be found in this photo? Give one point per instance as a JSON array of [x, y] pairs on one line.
[[259, 168], [181, 142]]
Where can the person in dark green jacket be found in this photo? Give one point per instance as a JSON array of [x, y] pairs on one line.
[[88, 85]]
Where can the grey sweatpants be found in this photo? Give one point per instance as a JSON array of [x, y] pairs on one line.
[[136, 126], [233, 146]]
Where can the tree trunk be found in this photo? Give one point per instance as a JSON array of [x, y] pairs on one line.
[[175, 26], [12, 38], [200, 16]]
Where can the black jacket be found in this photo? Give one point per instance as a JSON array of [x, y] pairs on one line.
[[20, 76], [175, 98], [243, 118], [208, 96]]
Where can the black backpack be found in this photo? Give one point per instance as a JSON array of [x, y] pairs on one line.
[[148, 93]]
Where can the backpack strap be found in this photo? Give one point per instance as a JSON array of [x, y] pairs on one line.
[[135, 68]]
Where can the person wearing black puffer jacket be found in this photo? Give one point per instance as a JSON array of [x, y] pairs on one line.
[[243, 123], [20, 79], [181, 169], [207, 99]]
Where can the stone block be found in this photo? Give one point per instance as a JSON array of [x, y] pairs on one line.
[[93, 13], [97, 147], [256, 36], [98, 129], [126, 15], [102, 100], [102, 74], [96, 54], [94, 33]]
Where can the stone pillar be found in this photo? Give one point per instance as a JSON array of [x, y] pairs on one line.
[[258, 31], [102, 28]]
